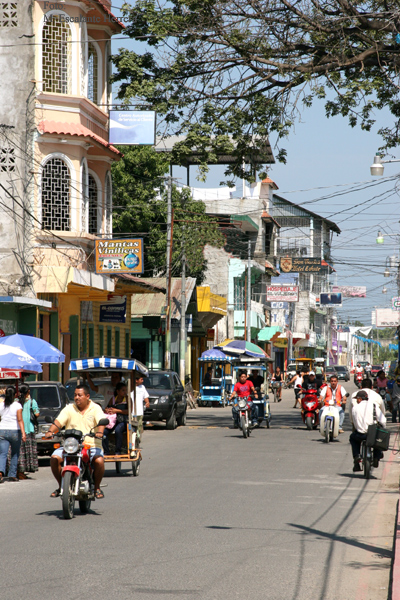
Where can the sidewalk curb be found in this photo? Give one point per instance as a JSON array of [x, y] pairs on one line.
[[394, 583]]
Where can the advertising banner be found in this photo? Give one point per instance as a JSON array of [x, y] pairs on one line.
[[119, 256], [301, 265], [282, 293], [114, 311], [332, 299], [132, 127], [350, 291], [386, 317], [396, 303]]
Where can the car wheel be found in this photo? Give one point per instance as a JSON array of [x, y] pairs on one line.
[[182, 420], [171, 421]]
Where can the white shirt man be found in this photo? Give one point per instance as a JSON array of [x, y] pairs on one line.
[[339, 395], [362, 415], [373, 396]]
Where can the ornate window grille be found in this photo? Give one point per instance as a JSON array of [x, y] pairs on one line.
[[93, 73], [57, 56], [85, 198], [7, 160], [92, 189], [108, 204], [8, 14], [56, 195]]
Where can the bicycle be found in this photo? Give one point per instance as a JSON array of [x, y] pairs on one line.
[[366, 459]]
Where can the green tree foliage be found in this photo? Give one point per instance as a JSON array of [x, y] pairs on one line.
[[140, 208], [222, 71]]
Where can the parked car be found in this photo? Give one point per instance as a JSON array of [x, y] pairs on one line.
[[167, 399], [51, 397], [342, 373]]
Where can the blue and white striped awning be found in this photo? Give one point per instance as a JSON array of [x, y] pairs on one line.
[[105, 362]]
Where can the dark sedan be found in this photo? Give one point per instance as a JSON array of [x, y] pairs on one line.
[[167, 399], [342, 373], [51, 397]]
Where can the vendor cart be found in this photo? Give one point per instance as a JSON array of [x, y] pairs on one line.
[[128, 368], [216, 387]]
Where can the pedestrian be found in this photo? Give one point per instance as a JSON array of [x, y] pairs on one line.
[[298, 384], [142, 397], [28, 461], [12, 431], [395, 400], [319, 373]]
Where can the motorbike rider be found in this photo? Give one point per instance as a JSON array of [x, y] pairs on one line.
[[361, 416], [243, 388], [366, 385], [358, 370], [278, 378], [83, 414], [338, 394]]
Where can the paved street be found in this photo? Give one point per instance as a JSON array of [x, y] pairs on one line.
[[212, 516]]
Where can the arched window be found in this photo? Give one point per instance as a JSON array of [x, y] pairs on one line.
[[93, 73], [109, 224], [56, 195], [84, 196], [56, 56], [93, 204]]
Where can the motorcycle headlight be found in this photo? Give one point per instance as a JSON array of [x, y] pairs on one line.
[[242, 403], [163, 399], [71, 446]]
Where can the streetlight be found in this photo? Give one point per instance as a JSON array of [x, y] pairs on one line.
[[380, 239], [384, 290], [377, 166], [386, 273]]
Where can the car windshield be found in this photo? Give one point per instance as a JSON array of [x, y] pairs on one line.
[[158, 381], [292, 366], [46, 396], [377, 367], [71, 385], [341, 369]]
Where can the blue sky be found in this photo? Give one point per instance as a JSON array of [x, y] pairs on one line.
[[328, 153]]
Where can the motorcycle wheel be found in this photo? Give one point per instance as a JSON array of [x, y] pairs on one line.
[[268, 423], [327, 433], [68, 500], [243, 427], [84, 506], [309, 423], [136, 468]]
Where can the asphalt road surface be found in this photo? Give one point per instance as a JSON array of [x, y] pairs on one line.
[[212, 516]]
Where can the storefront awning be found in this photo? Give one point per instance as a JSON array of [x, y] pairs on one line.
[[267, 333], [64, 280], [210, 307], [25, 301]]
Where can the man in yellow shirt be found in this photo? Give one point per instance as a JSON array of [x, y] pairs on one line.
[[84, 416]]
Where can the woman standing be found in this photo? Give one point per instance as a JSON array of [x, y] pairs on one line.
[[28, 457], [11, 432]]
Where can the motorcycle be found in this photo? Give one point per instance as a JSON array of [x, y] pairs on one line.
[[309, 408], [244, 409], [329, 422], [359, 380], [77, 474]]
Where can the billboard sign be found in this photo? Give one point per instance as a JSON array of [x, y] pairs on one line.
[[132, 127], [300, 265], [386, 317], [330, 299], [114, 311], [119, 256], [350, 291], [396, 303], [282, 293]]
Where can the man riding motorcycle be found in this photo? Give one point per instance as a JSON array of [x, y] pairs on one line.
[[83, 415], [358, 370], [243, 388], [338, 394], [362, 415]]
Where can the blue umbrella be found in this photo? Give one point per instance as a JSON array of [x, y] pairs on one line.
[[15, 359], [40, 350]]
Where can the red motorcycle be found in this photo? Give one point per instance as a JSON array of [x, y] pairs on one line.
[[310, 408], [359, 380]]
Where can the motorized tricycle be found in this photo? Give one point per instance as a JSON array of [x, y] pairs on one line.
[[215, 378]]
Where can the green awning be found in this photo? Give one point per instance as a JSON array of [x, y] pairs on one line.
[[268, 332], [244, 223]]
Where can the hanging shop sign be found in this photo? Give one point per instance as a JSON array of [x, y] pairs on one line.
[[300, 265], [396, 303], [332, 299], [281, 343], [119, 256], [282, 293], [386, 317], [136, 127], [113, 311], [350, 291]]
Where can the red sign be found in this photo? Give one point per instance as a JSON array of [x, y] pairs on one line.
[[2, 334], [7, 374], [282, 293], [210, 335]]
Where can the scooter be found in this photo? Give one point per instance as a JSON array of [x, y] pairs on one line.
[[329, 422], [359, 380], [310, 408], [77, 474], [244, 409]]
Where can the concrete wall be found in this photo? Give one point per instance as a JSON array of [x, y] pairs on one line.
[[16, 140]]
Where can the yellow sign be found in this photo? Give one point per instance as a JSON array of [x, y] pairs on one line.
[[281, 343], [119, 256]]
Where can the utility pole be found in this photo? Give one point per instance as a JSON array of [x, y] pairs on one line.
[[248, 336], [167, 357], [182, 358]]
